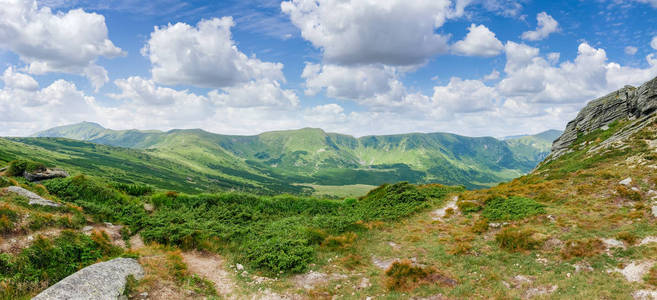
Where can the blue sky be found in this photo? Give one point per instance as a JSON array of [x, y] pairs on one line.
[[472, 67]]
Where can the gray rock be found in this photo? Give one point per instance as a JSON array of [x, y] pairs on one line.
[[32, 197], [105, 280], [45, 174], [626, 103], [626, 181]]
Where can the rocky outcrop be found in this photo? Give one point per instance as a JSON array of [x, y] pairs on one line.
[[32, 197], [45, 174], [626, 103], [105, 280]]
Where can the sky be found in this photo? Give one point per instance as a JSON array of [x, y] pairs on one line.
[[359, 67]]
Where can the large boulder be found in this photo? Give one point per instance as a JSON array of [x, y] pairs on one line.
[[32, 197], [626, 103], [105, 280], [45, 174]]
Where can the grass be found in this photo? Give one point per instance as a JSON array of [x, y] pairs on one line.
[[340, 191]]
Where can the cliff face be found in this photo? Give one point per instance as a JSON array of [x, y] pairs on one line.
[[626, 103]]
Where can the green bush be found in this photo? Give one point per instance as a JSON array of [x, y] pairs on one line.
[[278, 233], [101, 201], [279, 255], [48, 261], [133, 189], [18, 167], [512, 208], [4, 182], [467, 207]]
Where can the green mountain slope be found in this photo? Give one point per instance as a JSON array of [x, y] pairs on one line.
[[310, 155]]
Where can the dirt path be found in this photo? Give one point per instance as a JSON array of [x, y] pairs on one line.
[[211, 266]]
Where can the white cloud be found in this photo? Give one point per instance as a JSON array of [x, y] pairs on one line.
[[464, 96], [20, 81], [26, 108], [479, 41], [653, 43], [546, 26], [68, 42], [146, 92], [518, 55], [204, 56], [395, 32], [629, 50], [348, 82], [494, 75], [255, 94]]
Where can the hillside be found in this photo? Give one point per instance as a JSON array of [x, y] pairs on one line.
[[580, 226], [313, 156]]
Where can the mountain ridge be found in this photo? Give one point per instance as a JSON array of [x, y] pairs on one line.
[[313, 155]]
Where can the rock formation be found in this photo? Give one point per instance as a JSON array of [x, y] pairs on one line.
[[32, 197], [44, 174], [105, 280], [626, 103]]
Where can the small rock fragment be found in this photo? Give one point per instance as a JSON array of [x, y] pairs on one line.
[[627, 181]]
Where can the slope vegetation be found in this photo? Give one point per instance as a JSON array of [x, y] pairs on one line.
[[315, 157]]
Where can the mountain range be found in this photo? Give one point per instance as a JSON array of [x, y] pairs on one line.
[[285, 160]]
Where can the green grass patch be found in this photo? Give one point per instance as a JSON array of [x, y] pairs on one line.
[[512, 208]]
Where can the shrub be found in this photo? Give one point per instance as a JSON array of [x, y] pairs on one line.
[[48, 261], [4, 182], [339, 242], [517, 239], [18, 167], [628, 193], [404, 275], [651, 277], [467, 207], [480, 226], [279, 255], [582, 248], [512, 208], [629, 237], [133, 189]]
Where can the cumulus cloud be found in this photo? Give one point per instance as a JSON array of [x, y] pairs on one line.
[[396, 32], [629, 50], [653, 43], [204, 56], [464, 96], [479, 41], [26, 107], [344, 82], [546, 26], [68, 42]]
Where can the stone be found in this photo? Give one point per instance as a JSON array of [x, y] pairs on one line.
[[33, 198], [613, 243], [540, 291], [149, 207], [645, 295], [239, 267], [105, 280], [45, 174], [635, 271], [648, 240], [654, 210], [627, 181], [627, 103]]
